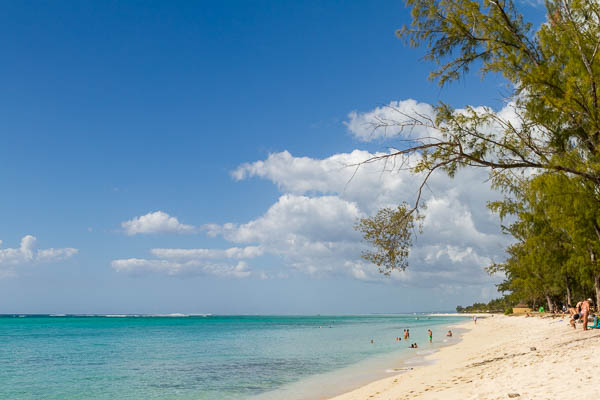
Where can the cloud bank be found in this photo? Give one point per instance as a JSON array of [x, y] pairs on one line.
[[310, 227]]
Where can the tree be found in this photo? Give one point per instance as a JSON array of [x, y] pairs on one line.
[[573, 205], [534, 268], [558, 241], [389, 232], [553, 77]]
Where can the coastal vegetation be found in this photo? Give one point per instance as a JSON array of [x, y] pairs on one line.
[[555, 256], [499, 305], [543, 153]]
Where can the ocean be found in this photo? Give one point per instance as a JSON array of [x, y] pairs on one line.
[[206, 357]]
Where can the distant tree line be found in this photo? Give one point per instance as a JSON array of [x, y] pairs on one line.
[[502, 304]]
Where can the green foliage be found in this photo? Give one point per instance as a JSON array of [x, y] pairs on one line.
[[557, 239], [496, 305], [389, 232], [552, 73], [544, 154]]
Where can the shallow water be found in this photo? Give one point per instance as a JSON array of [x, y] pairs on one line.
[[201, 357]]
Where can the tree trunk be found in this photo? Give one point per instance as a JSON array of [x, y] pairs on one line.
[[568, 292], [597, 287], [549, 303]]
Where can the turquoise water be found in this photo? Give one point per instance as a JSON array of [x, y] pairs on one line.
[[194, 357]]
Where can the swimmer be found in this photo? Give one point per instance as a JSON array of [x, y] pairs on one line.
[[449, 334], [430, 335]]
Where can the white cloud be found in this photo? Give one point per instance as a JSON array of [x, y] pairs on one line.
[[51, 255], [411, 120], [28, 253], [234, 252], [365, 126], [192, 262], [460, 235], [190, 267], [369, 185], [310, 227], [293, 218], [155, 222]]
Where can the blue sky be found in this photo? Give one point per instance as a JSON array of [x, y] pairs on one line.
[[224, 117]]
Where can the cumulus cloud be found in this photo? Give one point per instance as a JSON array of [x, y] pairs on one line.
[[411, 120], [155, 222], [28, 253], [460, 235], [310, 227], [387, 121], [312, 234]]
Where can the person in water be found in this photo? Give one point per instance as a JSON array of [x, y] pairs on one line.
[[449, 334], [430, 335]]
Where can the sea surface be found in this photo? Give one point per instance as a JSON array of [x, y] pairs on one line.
[[206, 357]]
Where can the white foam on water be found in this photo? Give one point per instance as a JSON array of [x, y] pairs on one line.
[[396, 370]]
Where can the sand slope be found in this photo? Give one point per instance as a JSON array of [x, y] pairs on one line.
[[495, 360]]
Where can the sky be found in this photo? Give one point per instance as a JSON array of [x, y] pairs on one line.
[[194, 157]]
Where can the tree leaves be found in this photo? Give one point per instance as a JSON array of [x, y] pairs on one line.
[[389, 232]]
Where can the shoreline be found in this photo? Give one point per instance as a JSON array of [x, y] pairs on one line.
[[526, 358], [352, 377]]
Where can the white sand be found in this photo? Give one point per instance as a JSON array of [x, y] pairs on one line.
[[495, 360]]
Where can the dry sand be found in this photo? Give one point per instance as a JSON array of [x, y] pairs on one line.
[[500, 358]]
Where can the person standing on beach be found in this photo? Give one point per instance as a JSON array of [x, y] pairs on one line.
[[585, 311], [430, 335], [475, 319]]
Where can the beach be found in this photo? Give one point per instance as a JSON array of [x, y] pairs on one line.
[[502, 357]]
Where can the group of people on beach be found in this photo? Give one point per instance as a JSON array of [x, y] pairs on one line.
[[581, 313]]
